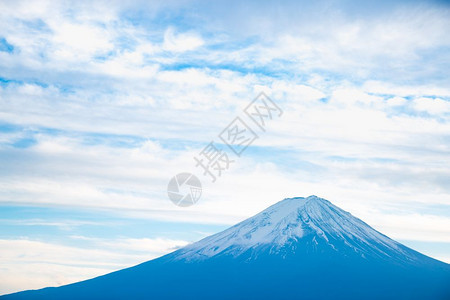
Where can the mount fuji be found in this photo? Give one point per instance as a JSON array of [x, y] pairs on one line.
[[298, 248]]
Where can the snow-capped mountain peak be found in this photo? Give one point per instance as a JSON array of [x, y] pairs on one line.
[[312, 223]]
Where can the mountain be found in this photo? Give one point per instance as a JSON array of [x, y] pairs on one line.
[[298, 248]]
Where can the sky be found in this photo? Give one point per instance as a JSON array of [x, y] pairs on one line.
[[102, 103]]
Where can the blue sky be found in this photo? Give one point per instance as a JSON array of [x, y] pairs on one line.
[[101, 104]]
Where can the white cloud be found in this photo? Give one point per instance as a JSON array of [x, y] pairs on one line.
[[418, 90], [181, 42], [432, 106], [352, 96], [79, 42], [396, 101], [32, 264], [413, 227]]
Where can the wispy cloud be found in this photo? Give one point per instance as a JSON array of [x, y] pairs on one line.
[[31, 264]]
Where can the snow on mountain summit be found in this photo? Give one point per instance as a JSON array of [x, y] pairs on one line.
[[310, 222]]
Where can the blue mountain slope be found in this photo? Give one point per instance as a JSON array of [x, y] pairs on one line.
[[299, 248]]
